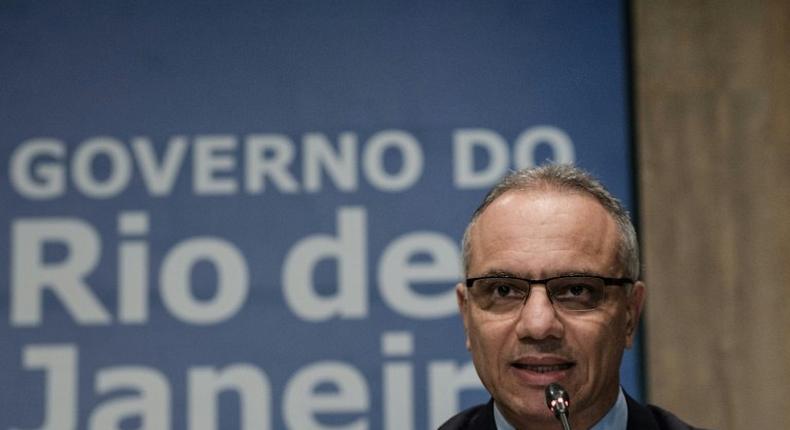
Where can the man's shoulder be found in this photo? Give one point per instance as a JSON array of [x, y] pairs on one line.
[[640, 417], [479, 417], [651, 417]]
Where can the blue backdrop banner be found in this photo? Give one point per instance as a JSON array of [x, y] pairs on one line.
[[222, 215]]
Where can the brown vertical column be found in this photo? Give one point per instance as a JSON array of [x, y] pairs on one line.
[[713, 136]]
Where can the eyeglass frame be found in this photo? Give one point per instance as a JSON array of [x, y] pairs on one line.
[[620, 282]]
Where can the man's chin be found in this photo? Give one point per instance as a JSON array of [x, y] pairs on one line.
[[529, 405]]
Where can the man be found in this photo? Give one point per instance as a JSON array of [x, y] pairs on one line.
[[552, 295]]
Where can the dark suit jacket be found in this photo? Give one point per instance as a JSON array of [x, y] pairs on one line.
[[640, 417]]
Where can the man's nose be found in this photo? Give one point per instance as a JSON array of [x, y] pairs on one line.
[[538, 318]]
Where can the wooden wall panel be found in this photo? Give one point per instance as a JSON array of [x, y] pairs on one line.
[[712, 88]]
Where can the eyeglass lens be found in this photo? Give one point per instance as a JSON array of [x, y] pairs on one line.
[[506, 295]]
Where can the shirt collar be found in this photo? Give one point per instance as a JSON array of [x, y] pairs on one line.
[[615, 419]]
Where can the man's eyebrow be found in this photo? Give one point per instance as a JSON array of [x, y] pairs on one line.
[[500, 273], [509, 274], [576, 273]]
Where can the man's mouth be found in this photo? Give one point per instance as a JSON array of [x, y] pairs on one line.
[[543, 368]]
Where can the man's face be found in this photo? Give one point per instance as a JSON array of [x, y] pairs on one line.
[[536, 235]]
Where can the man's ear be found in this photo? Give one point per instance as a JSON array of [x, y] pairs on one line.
[[634, 302], [463, 308]]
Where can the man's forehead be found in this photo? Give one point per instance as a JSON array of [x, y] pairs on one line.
[[537, 206], [522, 224]]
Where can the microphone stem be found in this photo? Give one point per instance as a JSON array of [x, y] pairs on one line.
[[564, 420]]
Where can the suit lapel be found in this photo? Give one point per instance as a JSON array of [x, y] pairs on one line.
[[639, 417], [484, 419]]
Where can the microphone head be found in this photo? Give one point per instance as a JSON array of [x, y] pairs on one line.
[[557, 399]]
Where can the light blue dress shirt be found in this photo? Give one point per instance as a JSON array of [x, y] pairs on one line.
[[615, 419]]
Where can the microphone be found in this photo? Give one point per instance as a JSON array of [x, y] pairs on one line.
[[558, 401]]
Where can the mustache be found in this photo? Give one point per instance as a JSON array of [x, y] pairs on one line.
[[545, 346]]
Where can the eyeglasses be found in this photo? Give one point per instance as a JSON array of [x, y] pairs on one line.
[[504, 295]]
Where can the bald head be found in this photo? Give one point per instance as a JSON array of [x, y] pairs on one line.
[[564, 179]]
